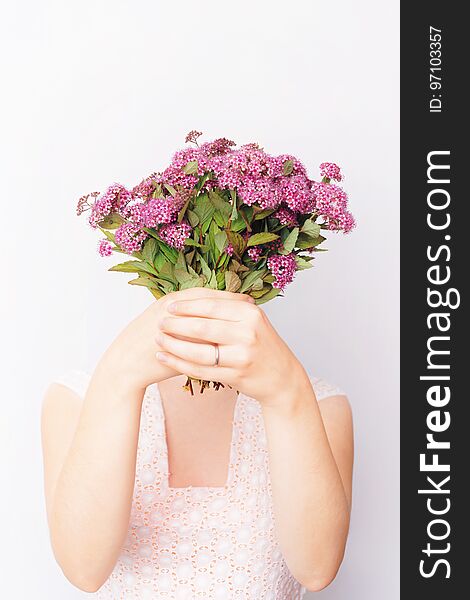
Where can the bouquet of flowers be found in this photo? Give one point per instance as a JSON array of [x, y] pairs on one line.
[[223, 217]]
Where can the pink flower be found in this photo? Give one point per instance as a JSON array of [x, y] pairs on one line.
[[331, 171], [286, 217], [105, 248], [255, 253], [114, 199], [345, 222], [175, 234], [296, 192], [283, 268], [159, 211], [259, 190], [192, 136], [229, 249], [145, 188], [129, 237]]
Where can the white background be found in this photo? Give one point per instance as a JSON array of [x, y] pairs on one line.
[[96, 92]]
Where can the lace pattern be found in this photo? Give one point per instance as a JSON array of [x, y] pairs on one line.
[[191, 542]]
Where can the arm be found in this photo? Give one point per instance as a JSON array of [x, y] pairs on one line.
[[310, 453], [89, 451], [90, 448]]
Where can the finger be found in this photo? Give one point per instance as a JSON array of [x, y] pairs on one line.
[[196, 371], [196, 352], [204, 292], [212, 308], [207, 330]]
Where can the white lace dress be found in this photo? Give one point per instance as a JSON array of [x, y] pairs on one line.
[[206, 543]]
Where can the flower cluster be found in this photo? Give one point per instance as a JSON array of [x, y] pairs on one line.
[[115, 199], [283, 269], [175, 234], [218, 208], [220, 216]]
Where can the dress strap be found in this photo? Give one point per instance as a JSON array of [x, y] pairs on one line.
[[324, 389], [74, 379]]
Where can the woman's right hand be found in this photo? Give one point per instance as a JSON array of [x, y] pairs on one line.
[[131, 358]]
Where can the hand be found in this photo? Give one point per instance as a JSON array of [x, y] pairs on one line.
[[253, 358], [131, 358]]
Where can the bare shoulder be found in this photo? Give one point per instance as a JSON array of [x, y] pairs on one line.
[[61, 408], [336, 407]]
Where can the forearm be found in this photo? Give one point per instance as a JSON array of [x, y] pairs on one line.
[[93, 495], [310, 505]]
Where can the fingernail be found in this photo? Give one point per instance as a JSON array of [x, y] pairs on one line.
[[162, 357], [172, 307]]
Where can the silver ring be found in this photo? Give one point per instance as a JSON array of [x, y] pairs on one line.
[[217, 355]]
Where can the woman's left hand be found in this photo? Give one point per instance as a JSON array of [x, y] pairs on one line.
[[253, 358]]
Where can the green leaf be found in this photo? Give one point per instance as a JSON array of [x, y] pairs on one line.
[[108, 234], [133, 266], [130, 266], [263, 214], [167, 272], [306, 241], [183, 210], [310, 228], [238, 224], [171, 254], [144, 281], [246, 214], [203, 208], [250, 279], [157, 293], [181, 262], [220, 239], [192, 217], [192, 283], [219, 218], [261, 292], [202, 180], [220, 203], [261, 238], [188, 257], [220, 277], [182, 276], [238, 243], [269, 296], [192, 271], [212, 283], [191, 242], [112, 221], [224, 261], [302, 263], [171, 189], [159, 261], [234, 213], [289, 242], [204, 268], [232, 281], [190, 168], [257, 285], [149, 250], [288, 167]]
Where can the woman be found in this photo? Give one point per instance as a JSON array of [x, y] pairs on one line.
[[154, 493]]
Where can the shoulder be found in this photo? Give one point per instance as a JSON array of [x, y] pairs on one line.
[[332, 400], [62, 402]]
